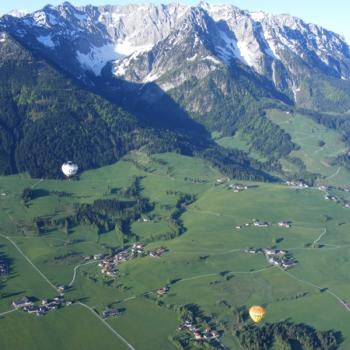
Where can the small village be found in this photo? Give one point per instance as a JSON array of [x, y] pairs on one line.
[[207, 334], [275, 257], [297, 184], [27, 305], [41, 308], [264, 224], [334, 198], [235, 187], [109, 263]]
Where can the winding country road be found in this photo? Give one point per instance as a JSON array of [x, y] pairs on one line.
[[77, 267]]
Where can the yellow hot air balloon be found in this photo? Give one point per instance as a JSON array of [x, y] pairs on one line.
[[257, 313]]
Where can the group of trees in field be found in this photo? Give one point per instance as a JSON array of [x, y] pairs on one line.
[[286, 336], [180, 207], [104, 214], [343, 160]]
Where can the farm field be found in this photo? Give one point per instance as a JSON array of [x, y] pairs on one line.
[[206, 265]]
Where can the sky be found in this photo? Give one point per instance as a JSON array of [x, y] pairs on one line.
[[333, 15]]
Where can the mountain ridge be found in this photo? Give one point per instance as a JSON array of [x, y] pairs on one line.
[[179, 69], [85, 40]]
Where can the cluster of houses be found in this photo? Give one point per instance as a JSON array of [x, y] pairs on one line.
[[328, 188], [109, 263], [275, 257], [254, 222], [237, 187], [327, 196], [324, 188], [279, 258], [260, 224], [334, 198], [331, 198], [111, 313], [41, 309], [158, 252], [284, 224], [198, 334], [297, 184]]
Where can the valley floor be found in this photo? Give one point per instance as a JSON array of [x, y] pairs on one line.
[[207, 268]]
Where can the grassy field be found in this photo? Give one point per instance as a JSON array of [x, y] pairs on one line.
[[318, 157], [206, 265], [238, 141]]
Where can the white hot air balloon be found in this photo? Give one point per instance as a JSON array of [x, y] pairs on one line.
[[69, 169]]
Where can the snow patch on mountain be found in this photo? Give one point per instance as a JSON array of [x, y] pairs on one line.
[[120, 53], [212, 59], [245, 53], [3, 37], [271, 45], [97, 58], [271, 42], [41, 19], [46, 40], [258, 16], [17, 13], [126, 48], [120, 66], [234, 49]]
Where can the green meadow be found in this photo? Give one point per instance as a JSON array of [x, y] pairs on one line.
[[319, 146], [206, 265]]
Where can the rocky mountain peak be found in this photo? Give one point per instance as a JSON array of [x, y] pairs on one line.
[[280, 48]]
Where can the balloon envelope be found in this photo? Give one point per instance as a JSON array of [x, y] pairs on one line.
[[257, 313], [69, 169]]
